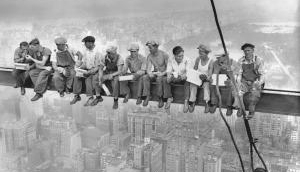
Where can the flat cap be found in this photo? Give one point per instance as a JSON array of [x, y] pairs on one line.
[[133, 47], [247, 45], [152, 42], [89, 39], [35, 41], [111, 48], [204, 47], [60, 40]]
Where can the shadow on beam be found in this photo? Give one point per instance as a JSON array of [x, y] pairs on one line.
[[272, 101]]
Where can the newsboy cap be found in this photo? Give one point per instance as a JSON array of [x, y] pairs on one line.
[[60, 40], [204, 47], [152, 42], [89, 39], [247, 45], [133, 47]]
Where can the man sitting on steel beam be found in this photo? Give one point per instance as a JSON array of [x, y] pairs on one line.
[[137, 65], [251, 77], [21, 76], [63, 64], [40, 73]]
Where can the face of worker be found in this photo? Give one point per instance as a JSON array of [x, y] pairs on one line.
[[34, 47], [248, 51], [202, 53], [222, 61], [153, 48], [61, 47], [179, 57], [89, 45], [134, 53]]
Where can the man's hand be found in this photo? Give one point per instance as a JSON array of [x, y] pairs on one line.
[[28, 57], [140, 72], [160, 74], [60, 69], [151, 75], [183, 77], [48, 68], [203, 77]]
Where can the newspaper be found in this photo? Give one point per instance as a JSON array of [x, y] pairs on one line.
[[22, 66], [193, 77]]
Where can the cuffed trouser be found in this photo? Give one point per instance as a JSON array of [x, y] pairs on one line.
[[20, 76], [40, 78], [61, 81], [113, 85], [91, 84], [254, 94], [194, 89], [163, 87], [186, 85], [124, 89], [225, 92]]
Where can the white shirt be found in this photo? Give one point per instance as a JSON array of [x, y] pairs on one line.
[[91, 58], [174, 67], [204, 69]]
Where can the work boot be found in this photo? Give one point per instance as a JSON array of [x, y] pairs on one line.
[[192, 107], [115, 105], [160, 102], [168, 104], [213, 109], [138, 100], [36, 97], [186, 106], [146, 101], [239, 113], [96, 100], [23, 91], [61, 93], [75, 99], [126, 98], [229, 111], [206, 109], [89, 101]]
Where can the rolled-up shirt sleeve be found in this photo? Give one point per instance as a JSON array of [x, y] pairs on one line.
[[169, 66]]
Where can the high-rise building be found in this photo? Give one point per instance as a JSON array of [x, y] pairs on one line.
[[91, 159], [212, 163], [70, 143], [93, 138]]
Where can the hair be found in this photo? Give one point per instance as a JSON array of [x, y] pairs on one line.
[[89, 39], [24, 43], [177, 50], [247, 45]]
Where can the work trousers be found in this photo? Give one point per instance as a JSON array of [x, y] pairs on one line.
[[194, 89], [20, 76], [124, 89], [179, 80], [61, 82], [91, 84], [40, 78]]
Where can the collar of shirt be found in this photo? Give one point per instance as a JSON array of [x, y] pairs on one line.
[[245, 61], [184, 60]]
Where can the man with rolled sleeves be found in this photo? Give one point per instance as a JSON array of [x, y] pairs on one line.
[[40, 73], [137, 65], [63, 64], [176, 73], [20, 57], [159, 60], [111, 66], [251, 77], [89, 62]]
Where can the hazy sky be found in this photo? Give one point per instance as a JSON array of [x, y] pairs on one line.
[[46, 9]]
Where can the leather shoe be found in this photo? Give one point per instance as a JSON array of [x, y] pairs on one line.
[[138, 100], [168, 103], [75, 99], [206, 110], [89, 101], [126, 98], [61, 94], [186, 106], [146, 101], [23, 91], [229, 111], [192, 107], [239, 113], [115, 105], [160, 103], [36, 97], [213, 109], [96, 101]]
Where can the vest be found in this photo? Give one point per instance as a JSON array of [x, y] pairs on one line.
[[204, 68], [65, 59], [111, 64]]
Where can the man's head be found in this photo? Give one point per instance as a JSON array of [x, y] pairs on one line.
[[222, 61], [153, 46], [203, 50], [89, 42], [111, 50], [248, 50], [24, 46], [61, 43], [178, 53], [34, 44], [134, 50]]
